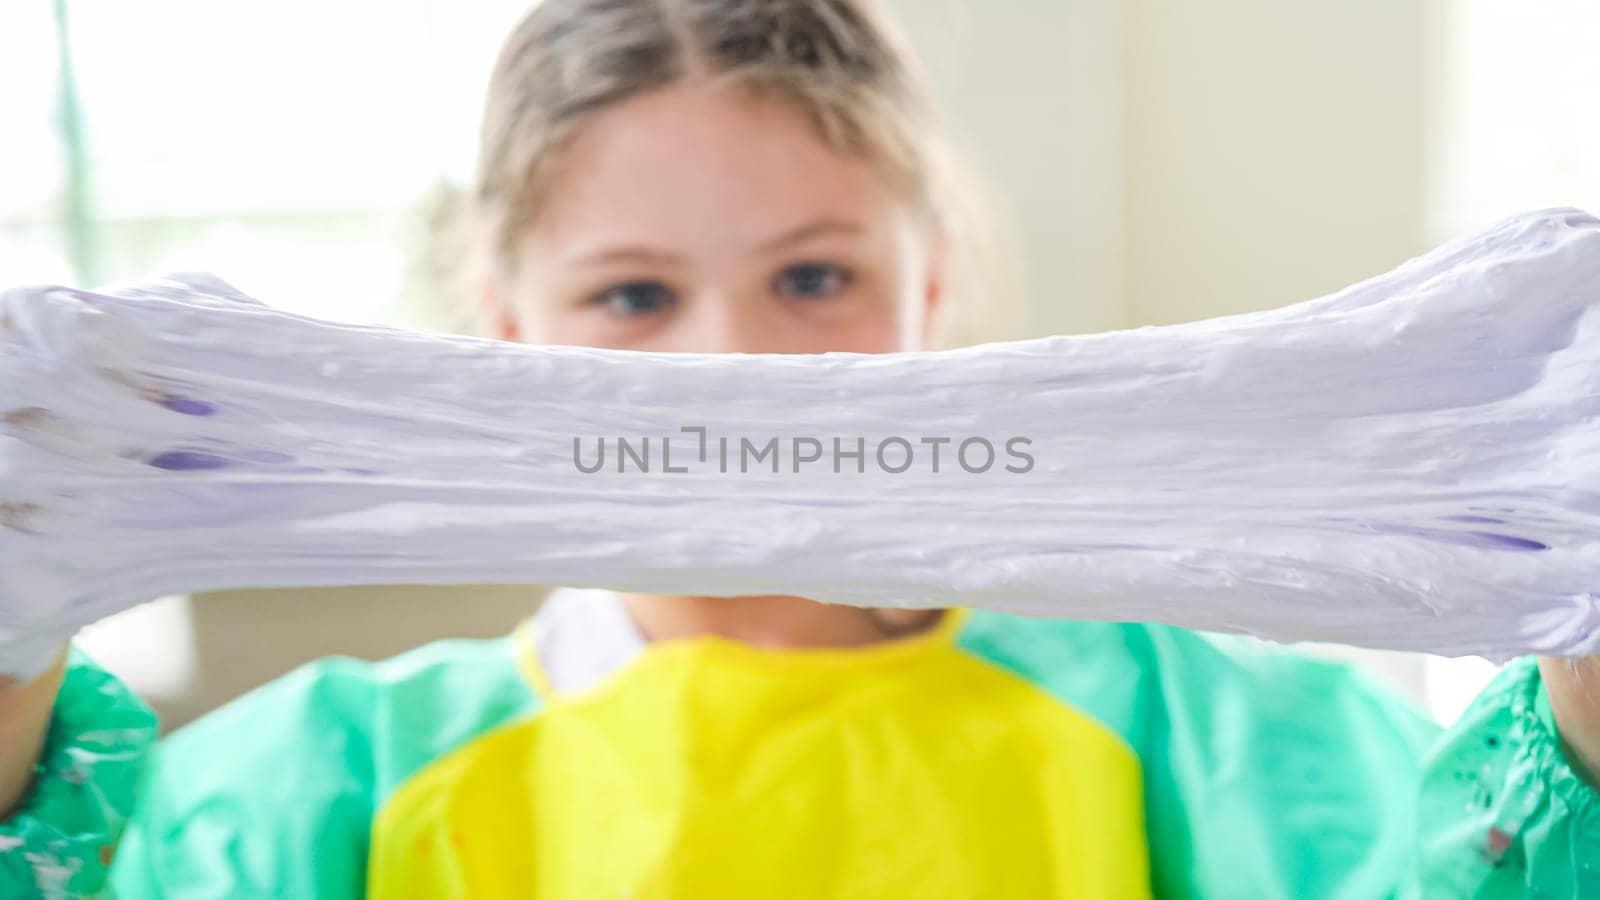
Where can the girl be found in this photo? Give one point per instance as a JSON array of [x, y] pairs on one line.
[[761, 176]]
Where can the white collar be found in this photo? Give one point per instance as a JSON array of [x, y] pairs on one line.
[[582, 635]]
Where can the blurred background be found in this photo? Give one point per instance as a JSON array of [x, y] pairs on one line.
[[1156, 162]]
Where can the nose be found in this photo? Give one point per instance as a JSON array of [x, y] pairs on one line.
[[736, 322]]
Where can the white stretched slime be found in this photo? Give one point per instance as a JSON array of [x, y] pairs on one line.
[[1410, 463]]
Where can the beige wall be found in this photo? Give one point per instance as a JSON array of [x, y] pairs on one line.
[[1162, 162], [1274, 150], [1172, 161], [1034, 95], [215, 646]]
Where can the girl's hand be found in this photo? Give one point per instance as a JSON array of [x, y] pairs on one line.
[[1574, 689], [24, 718], [62, 463]]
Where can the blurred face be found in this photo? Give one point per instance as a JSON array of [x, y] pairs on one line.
[[701, 218]]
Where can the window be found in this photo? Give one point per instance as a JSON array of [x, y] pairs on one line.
[[284, 146], [171, 134]]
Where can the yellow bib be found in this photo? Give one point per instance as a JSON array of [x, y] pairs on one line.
[[708, 768]]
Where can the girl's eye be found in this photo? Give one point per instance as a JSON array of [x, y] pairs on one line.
[[812, 280], [635, 298]]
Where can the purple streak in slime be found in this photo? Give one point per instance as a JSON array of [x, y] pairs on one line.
[[188, 460], [187, 405]]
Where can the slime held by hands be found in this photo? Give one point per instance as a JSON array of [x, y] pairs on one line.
[[1412, 462]]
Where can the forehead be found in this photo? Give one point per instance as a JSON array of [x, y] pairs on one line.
[[704, 163]]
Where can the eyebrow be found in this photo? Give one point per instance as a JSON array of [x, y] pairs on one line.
[[808, 231], [630, 253], [640, 253]]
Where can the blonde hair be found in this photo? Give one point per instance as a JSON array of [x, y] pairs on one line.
[[835, 61]]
